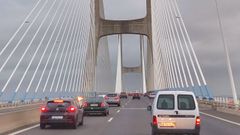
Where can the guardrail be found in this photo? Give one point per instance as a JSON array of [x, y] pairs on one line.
[[229, 108], [19, 104]]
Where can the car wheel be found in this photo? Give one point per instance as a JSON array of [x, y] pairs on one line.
[[81, 123], [154, 133], [42, 126], [119, 105], [75, 125]]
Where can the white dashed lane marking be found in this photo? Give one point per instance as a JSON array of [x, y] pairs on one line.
[[110, 119]]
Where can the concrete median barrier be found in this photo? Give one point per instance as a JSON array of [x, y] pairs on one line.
[[17, 119]]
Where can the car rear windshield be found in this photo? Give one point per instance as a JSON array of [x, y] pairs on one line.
[[111, 95], [64, 104], [95, 99], [186, 102], [165, 102]]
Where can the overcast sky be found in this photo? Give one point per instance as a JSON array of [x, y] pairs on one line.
[[200, 17]]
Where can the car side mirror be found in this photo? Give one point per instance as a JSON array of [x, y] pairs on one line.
[[149, 108]]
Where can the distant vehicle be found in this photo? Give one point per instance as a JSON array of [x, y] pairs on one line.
[[123, 95], [96, 105], [59, 111], [152, 94], [136, 96], [175, 112], [113, 98], [130, 94], [102, 95]]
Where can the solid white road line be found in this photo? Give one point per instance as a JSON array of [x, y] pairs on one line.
[[118, 111], [222, 119], [110, 119], [24, 130]]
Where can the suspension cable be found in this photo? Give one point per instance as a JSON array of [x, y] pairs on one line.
[[20, 27], [39, 45], [30, 44]]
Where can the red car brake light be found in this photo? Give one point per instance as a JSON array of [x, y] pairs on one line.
[[154, 121], [198, 121], [116, 98], [102, 104], [106, 98], [85, 104], [71, 109], [44, 109]]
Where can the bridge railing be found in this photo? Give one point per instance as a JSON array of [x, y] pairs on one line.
[[14, 104], [226, 107], [22, 103]]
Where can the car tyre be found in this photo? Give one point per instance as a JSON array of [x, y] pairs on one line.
[[81, 123], [42, 126], [154, 133], [75, 125]]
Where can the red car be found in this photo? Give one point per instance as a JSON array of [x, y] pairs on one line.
[[113, 98], [136, 96]]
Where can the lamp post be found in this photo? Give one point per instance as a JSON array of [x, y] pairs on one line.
[[227, 57]]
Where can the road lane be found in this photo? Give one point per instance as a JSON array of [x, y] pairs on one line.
[[93, 125], [212, 126], [131, 119]]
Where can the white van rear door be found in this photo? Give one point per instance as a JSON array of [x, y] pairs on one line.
[[165, 109], [187, 111]]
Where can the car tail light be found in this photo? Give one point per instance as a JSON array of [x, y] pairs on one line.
[[198, 121], [116, 98], [102, 104], [154, 121], [106, 98], [85, 104], [71, 109], [44, 109]]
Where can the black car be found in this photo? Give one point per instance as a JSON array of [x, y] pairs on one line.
[[61, 111], [136, 96], [96, 105]]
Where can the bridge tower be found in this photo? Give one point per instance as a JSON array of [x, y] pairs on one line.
[[141, 26]]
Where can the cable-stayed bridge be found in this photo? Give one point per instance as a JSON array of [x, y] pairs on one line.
[[59, 50]]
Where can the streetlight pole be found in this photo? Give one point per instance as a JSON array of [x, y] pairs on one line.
[[226, 50]]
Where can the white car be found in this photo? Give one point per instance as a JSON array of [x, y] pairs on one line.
[[152, 95], [175, 112]]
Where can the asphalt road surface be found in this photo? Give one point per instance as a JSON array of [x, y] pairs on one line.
[[132, 118]]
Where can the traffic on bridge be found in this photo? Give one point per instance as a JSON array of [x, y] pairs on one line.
[[119, 67]]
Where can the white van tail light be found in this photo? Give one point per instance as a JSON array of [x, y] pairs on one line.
[[154, 121], [198, 121]]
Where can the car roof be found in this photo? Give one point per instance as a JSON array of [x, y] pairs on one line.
[[68, 99], [175, 92]]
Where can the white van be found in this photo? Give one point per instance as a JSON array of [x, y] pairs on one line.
[[175, 112]]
